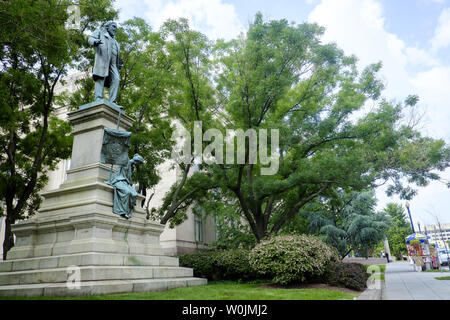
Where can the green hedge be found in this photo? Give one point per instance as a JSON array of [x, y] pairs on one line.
[[350, 275], [220, 264], [292, 258], [283, 259]]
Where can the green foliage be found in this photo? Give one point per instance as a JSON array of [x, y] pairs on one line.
[[145, 81], [349, 275], [220, 264], [280, 76], [223, 290], [37, 51], [201, 262], [442, 278], [144, 87], [233, 234], [348, 221], [291, 259], [400, 228]]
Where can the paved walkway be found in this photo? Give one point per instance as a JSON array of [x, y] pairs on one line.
[[403, 283]]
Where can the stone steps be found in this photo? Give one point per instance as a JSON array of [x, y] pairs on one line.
[[76, 235], [87, 259], [88, 288], [91, 273]]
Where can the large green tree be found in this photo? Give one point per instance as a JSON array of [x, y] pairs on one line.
[[280, 76], [399, 230], [145, 82], [191, 99], [348, 221], [40, 41]]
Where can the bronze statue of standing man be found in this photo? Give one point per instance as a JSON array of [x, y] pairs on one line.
[[107, 61]]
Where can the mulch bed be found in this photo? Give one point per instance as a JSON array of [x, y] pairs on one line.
[[311, 286]]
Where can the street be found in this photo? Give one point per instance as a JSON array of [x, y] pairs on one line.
[[403, 283]]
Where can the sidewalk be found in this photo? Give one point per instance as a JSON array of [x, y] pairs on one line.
[[403, 283]]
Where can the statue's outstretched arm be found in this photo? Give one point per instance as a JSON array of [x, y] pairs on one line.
[[94, 39]]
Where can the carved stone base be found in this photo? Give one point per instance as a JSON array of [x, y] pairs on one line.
[[76, 231]]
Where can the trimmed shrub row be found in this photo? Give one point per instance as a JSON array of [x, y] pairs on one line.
[[283, 259], [220, 264]]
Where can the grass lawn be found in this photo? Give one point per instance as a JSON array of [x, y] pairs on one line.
[[224, 290], [436, 270], [442, 278]]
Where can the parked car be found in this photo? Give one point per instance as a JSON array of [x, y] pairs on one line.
[[444, 256]]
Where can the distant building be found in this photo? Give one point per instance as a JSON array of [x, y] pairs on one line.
[[439, 235]]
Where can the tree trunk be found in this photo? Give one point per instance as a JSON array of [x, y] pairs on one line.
[[8, 243], [261, 228], [343, 257]]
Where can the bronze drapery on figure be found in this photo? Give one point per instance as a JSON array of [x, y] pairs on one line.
[[115, 152], [124, 193]]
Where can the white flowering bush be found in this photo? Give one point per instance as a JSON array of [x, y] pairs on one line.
[[292, 258]]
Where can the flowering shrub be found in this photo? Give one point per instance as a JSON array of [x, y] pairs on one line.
[[292, 258]]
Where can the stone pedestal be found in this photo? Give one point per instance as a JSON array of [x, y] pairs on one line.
[[76, 234]]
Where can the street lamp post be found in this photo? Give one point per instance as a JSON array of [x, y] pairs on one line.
[[410, 219]]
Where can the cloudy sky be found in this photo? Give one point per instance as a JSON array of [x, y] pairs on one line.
[[410, 37]]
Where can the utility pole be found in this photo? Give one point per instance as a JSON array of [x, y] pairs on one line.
[[410, 219]]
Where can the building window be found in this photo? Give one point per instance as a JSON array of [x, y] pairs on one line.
[[198, 227], [198, 222]]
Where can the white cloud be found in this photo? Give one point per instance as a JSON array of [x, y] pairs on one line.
[[357, 26], [433, 87], [214, 18], [441, 38], [430, 201], [130, 8], [420, 57]]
